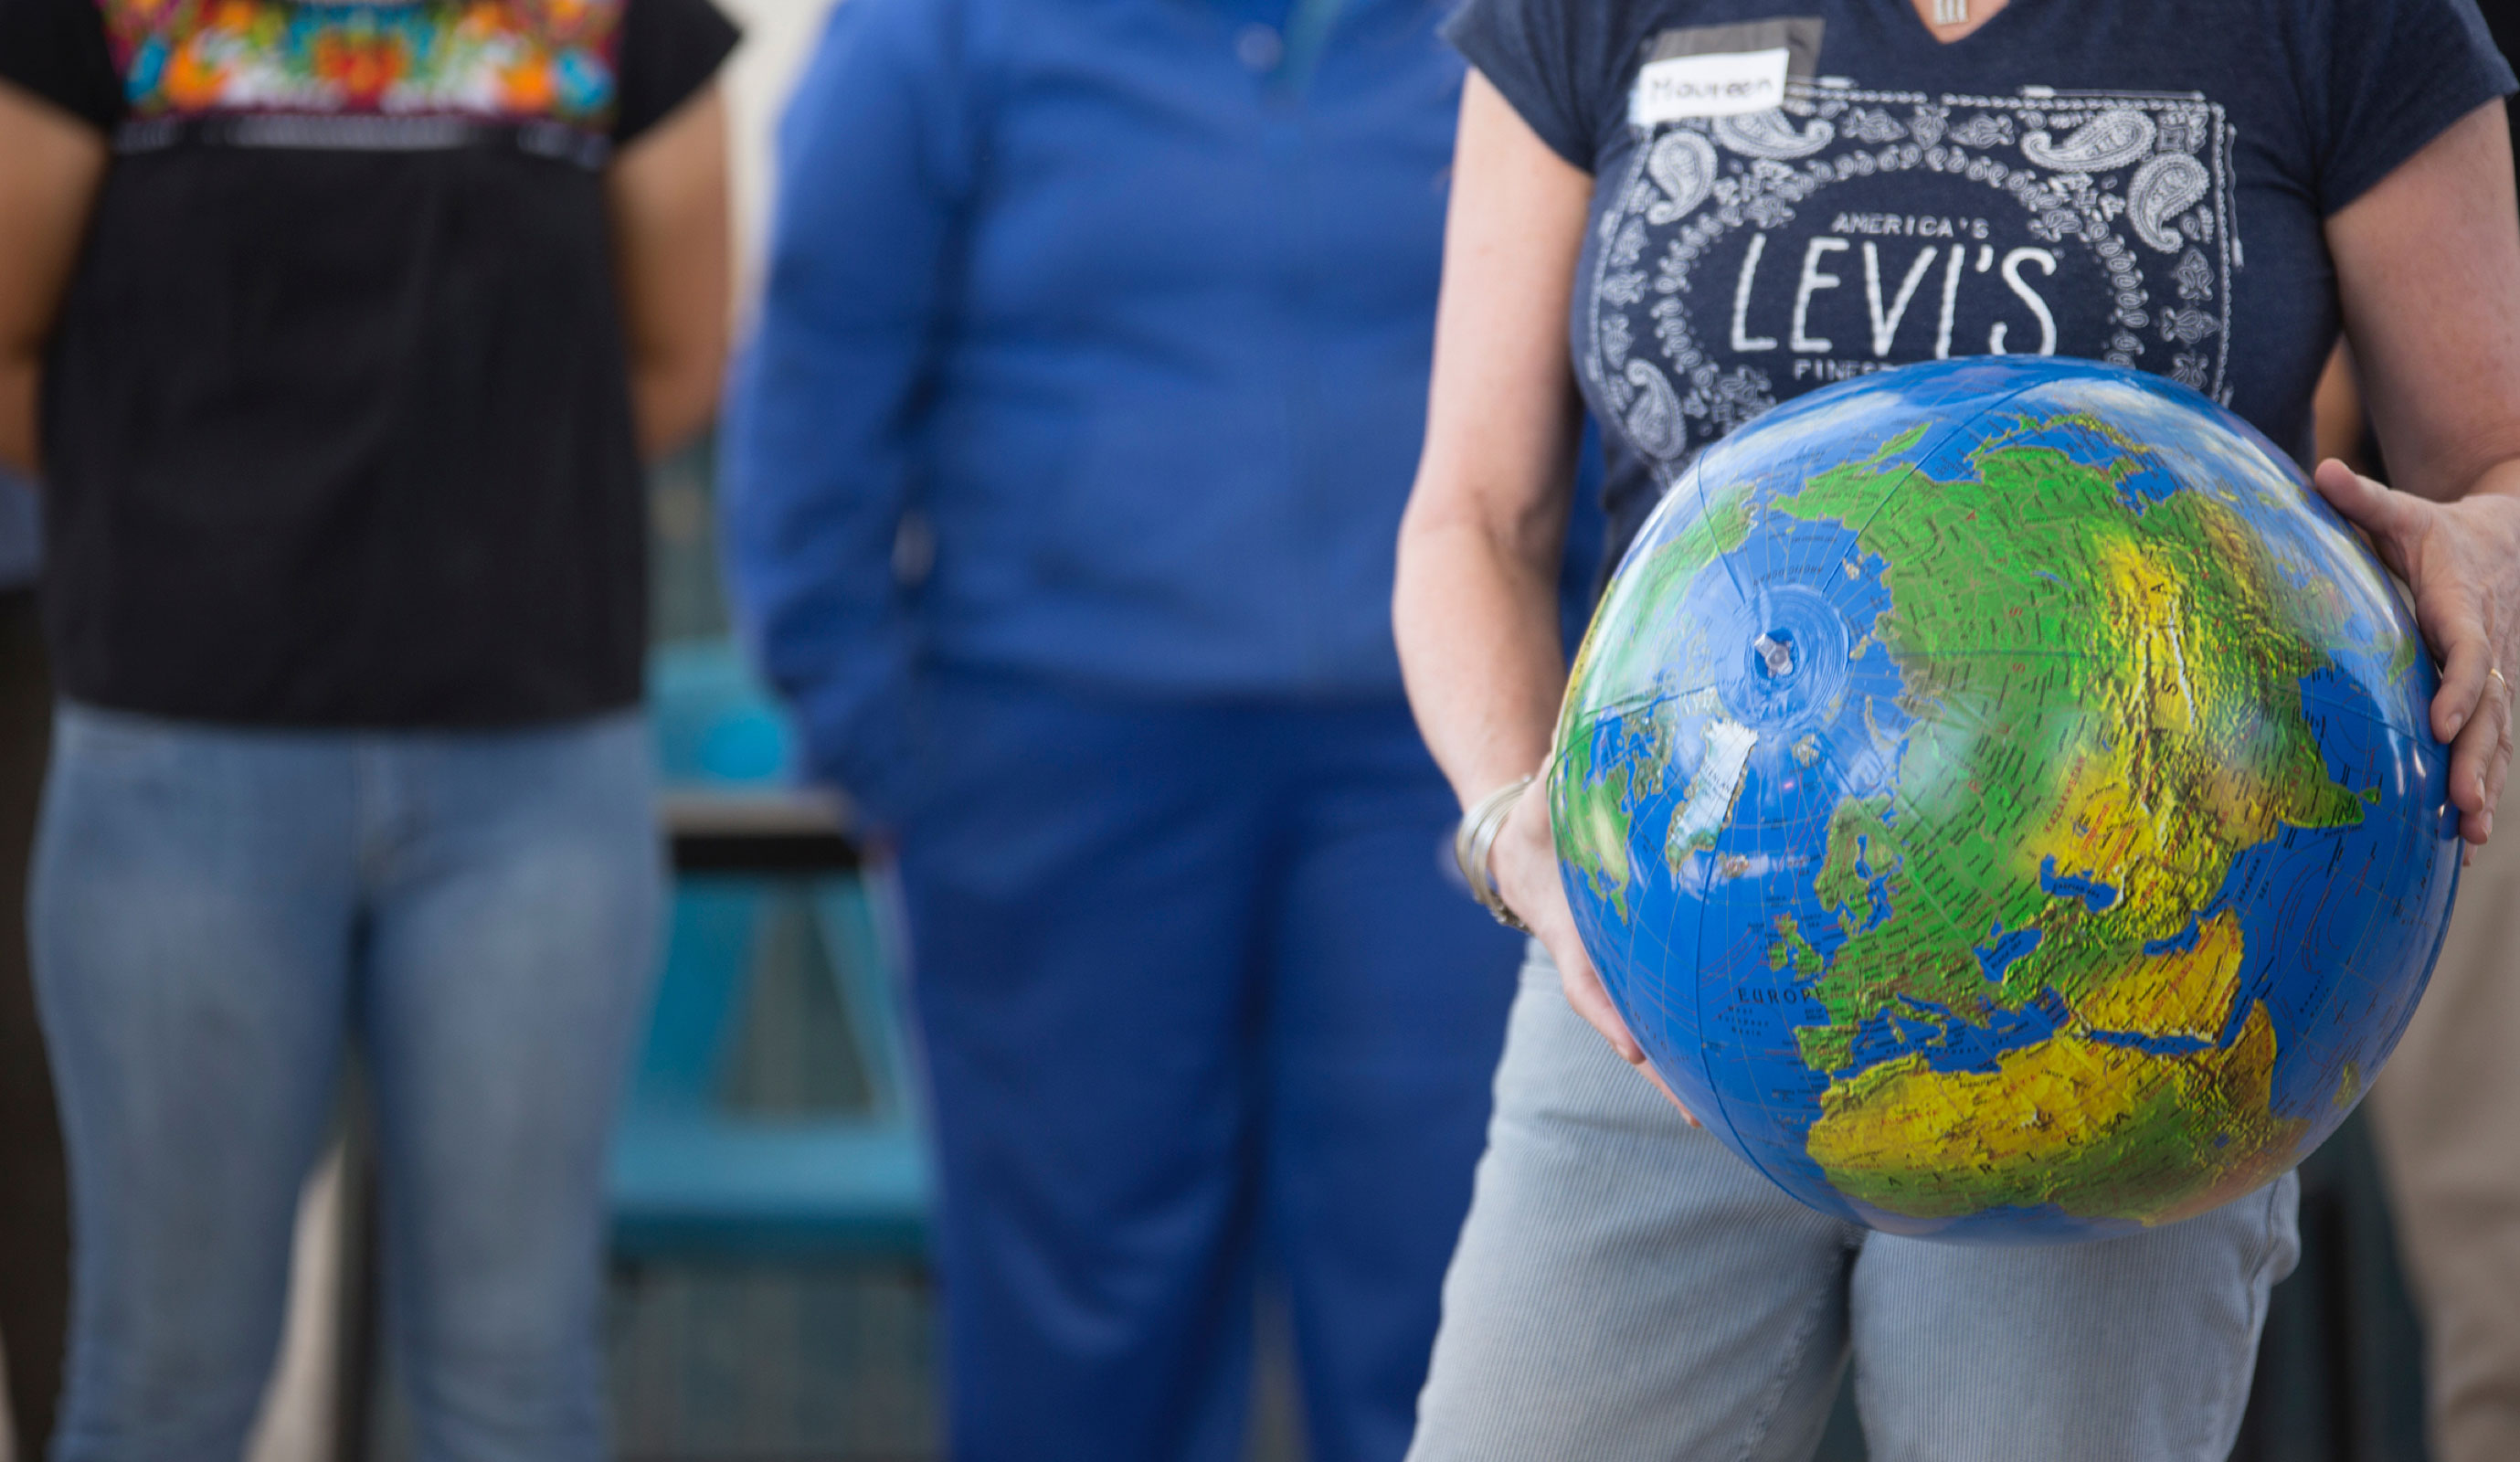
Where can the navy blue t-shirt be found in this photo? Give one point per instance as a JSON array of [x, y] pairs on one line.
[[1792, 194]]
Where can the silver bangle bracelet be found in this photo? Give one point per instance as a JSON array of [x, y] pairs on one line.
[[1474, 844]]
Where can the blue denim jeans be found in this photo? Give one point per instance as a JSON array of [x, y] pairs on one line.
[[1626, 1288], [216, 913]]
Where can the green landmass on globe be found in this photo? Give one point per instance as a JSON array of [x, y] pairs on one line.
[[2021, 978]]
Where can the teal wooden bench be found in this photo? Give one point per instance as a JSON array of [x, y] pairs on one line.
[[691, 1179]]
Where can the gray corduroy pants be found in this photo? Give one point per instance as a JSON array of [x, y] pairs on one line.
[[1627, 1289]]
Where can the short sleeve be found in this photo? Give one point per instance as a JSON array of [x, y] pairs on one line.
[[56, 50], [669, 50], [1531, 51], [2397, 73]]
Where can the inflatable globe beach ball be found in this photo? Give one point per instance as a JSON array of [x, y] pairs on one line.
[[1999, 796]]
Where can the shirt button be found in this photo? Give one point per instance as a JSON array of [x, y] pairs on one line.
[[1259, 48]]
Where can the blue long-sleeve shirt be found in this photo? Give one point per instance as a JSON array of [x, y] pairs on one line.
[[1135, 322]]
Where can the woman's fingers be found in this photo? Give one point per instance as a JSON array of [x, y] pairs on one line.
[[2472, 711], [2365, 503], [1584, 991], [1583, 986], [1525, 867], [2382, 514], [1668, 1094], [2465, 679], [2497, 772], [2481, 760], [1526, 874]]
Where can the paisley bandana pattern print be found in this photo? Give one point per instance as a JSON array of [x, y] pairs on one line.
[[1852, 230]]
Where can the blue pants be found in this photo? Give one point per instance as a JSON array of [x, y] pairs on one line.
[[1196, 991], [215, 912]]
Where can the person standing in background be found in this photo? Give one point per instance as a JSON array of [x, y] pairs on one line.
[[34, 1187], [1109, 327], [2443, 1107], [351, 325]]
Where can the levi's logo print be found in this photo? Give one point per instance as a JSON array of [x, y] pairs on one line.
[[1747, 258], [494, 61]]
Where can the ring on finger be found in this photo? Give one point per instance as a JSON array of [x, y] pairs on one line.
[[2495, 674]]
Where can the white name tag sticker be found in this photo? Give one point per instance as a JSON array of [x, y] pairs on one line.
[[1725, 84]]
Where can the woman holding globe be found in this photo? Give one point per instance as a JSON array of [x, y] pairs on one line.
[[1734, 209]]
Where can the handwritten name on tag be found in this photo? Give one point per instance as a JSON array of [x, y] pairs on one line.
[[1729, 84]]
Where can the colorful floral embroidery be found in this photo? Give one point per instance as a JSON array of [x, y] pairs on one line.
[[495, 59]]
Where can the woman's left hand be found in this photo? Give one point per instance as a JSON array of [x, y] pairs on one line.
[[2463, 560]]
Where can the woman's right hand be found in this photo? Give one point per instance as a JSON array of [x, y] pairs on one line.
[[1524, 866]]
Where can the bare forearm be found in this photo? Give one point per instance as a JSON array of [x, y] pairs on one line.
[[1485, 533], [2462, 453], [55, 162], [1475, 604], [1477, 627], [2429, 273], [672, 400], [18, 384], [668, 193], [2501, 479]]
